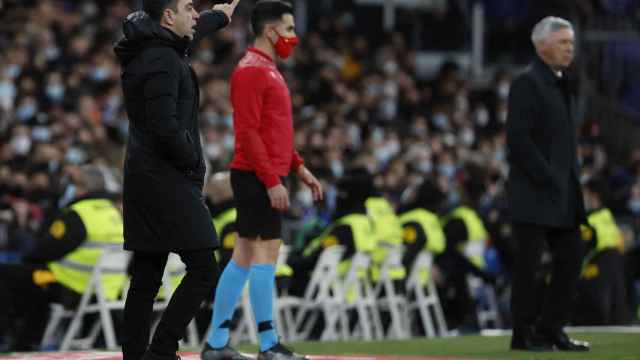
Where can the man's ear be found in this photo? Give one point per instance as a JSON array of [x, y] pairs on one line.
[[169, 16], [270, 33]]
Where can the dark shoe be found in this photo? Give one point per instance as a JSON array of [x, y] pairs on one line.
[[280, 352], [148, 355], [562, 342], [223, 353], [529, 340]]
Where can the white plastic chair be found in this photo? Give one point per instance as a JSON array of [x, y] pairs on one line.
[[113, 260], [484, 295], [391, 301], [361, 298], [424, 296], [323, 295]]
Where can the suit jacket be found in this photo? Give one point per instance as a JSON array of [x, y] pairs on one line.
[[543, 185]]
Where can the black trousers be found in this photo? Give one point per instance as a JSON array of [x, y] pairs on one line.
[[24, 304], [551, 311], [197, 285]]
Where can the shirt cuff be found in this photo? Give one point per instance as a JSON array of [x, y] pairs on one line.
[[270, 181]]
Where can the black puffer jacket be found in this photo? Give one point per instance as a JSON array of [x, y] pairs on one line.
[[164, 169]]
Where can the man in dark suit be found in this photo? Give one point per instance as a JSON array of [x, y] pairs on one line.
[[545, 198], [164, 170]]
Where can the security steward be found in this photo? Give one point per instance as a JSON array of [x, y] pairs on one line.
[[351, 228], [58, 266], [388, 231], [602, 296], [420, 221], [465, 236]]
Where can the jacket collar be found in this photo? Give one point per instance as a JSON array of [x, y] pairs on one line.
[[545, 71]]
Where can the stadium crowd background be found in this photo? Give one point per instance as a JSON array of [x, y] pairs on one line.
[[358, 99]]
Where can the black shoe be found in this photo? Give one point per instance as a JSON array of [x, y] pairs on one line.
[[223, 353], [563, 342], [280, 352], [529, 340], [148, 355]]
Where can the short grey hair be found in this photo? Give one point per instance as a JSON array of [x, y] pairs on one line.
[[548, 25]]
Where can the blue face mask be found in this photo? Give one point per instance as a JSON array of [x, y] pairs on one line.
[[453, 198], [634, 206], [75, 156], [441, 121], [68, 195], [55, 92], [228, 121], [26, 112], [13, 71], [7, 91], [99, 74], [447, 170]]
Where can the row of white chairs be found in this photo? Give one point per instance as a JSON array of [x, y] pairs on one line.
[[350, 305]]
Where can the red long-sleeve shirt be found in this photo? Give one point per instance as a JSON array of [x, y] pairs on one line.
[[262, 119]]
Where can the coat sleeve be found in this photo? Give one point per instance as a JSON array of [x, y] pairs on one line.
[[522, 150], [209, 22], [160, 103]]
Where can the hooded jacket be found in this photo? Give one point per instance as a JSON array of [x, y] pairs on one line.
[[164, 168]]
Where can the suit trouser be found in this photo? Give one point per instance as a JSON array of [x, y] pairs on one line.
[[529, 308], [147, 270]]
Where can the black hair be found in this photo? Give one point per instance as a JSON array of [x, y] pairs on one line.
[[155, 8], [266, 11]]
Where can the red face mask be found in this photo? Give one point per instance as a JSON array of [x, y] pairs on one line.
[[284, 45]]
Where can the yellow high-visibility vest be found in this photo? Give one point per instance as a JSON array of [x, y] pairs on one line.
[[104, 227], [476, 231], [607, 231], [430, 225]]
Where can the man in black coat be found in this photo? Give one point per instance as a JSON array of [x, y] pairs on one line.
[[544, 193], [164, 209]]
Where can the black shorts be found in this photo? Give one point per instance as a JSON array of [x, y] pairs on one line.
[[256, 217]]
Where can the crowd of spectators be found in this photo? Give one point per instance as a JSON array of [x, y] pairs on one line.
[[357, 101]]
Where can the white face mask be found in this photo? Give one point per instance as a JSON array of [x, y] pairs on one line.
[[425, 167], [337, 169], [502, 116], [305, 197], [503, 90], [467, 136], [213, 150], [482, 117], [21, 145]]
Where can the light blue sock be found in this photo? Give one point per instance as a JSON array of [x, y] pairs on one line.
[[227, 293], [261, 283]]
